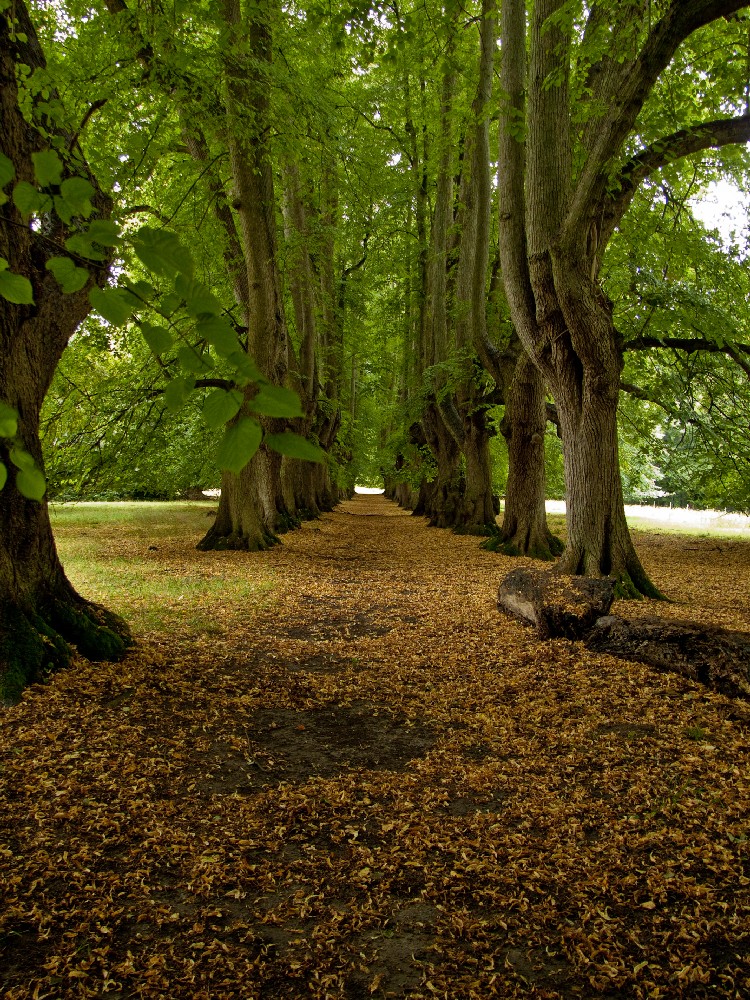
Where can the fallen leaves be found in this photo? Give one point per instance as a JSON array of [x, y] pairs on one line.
[[376, 785]]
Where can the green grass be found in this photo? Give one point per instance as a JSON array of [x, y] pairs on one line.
[[140, 560]]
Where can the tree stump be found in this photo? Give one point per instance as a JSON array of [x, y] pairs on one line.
[[559, 606], [716, 657]]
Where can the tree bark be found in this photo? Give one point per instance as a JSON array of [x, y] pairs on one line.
[[524, 530], [252, 506], [41, 614]]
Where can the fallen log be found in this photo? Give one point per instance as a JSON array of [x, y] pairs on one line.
[[559, 606], [716, 657]]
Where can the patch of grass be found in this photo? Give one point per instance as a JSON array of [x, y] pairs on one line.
[[696, 733], [139, 560]]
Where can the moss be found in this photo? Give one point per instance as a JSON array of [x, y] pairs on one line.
[[507, 547], [29, 652], [635, 588], [286, 522], [480, 530], [97, 633]]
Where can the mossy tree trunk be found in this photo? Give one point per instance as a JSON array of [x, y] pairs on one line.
[[41, 614]]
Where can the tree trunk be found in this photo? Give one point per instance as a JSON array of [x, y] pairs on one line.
[[475, 509], [40, 612], [252, 507], [446, 490], [524, 531], [247, 506]]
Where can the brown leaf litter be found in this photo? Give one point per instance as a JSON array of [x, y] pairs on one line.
[[375, 785]]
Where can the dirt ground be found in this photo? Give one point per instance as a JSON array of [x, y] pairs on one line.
[[378, 786]]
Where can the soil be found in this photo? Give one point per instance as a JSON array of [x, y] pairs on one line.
[[378, 786]]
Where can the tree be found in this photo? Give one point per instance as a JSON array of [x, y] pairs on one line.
[[571, 159], [43, 298]]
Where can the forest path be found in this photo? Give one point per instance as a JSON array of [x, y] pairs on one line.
[[368, 783]]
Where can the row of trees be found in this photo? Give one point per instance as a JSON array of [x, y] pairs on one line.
[[269, 207]]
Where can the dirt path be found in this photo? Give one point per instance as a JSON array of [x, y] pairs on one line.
[[377, 787]]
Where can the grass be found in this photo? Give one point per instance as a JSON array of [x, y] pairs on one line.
[[139, 560]]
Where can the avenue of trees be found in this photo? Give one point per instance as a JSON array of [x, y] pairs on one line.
[[284, 247]]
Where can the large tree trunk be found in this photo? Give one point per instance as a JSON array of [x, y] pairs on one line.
[[40, 612], [252, 507], [445, 492], [524, 530], [475, 509], [598, 542]]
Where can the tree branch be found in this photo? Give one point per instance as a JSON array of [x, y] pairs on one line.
[[624, 95], [707, 135]]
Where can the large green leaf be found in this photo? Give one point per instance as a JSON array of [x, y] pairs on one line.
[[8, 421], [113, 304], [244, 366], [219, 333], [294, 446], [104, 232], [7, 170], [29, 201], [48, 168], [77, 193], [3, 475], [177, 392], [82, 245], [276, 401], [162, 252], [71, 278], [199, 300], [239, 444], [15, 288], [31, 483], [194, 361], [21, 458], [220, 406], [157, 337]]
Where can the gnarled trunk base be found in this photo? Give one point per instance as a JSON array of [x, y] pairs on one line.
[[34, 643]]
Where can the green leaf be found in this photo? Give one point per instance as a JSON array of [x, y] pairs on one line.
[[239, 444], [276, 401], [3, 475], [77, 193], [199, 300], [113, 304], [219, 333], [21, 458], [15, 288], [157, 338], [162, 252], [294, 446], [71, 278], [220, 406], [177, 392], [193, 361], [82, 246], [48, 168], [141, 289], [245, 366], [8, 421], [169, 304], [29, 201], [7, 170], [31, 483], [104, 232]]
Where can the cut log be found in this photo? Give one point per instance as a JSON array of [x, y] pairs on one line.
[[714, 656], [559, 606]]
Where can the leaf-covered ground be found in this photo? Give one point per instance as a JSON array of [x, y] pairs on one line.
[[374, 785]]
